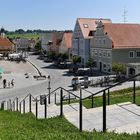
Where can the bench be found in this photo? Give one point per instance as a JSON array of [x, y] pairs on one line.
[[40, 77]]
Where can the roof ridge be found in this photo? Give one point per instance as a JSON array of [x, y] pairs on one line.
[[122, 23], [95, 18]]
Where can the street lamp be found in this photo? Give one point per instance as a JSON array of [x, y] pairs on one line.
[[49, 88]]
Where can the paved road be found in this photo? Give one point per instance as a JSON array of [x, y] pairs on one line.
[[24, 86], [59, 77]]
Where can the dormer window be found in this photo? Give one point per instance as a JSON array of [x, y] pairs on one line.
[[85, 25], [91, 33]]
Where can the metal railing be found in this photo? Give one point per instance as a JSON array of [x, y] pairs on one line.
[[108, 95], [16, 105]]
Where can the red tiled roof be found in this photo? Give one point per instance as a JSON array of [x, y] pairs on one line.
[[123, 35], [5, 43], [68, 39], [57, 38], [91, 25]]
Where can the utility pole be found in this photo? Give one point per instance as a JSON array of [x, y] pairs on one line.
[[124, 16]]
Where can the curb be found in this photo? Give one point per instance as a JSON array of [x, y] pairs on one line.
[[35, 67]]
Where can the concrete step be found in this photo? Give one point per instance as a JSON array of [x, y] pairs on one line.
[[119, 118]]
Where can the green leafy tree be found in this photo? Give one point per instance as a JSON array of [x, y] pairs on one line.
[[76, 59], [38, 47], [91, 63], [52, 55], [64, 57], [117, 67]]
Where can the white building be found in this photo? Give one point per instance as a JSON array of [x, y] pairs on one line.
[[83, 31]]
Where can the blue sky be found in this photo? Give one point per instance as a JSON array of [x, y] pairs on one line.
[[62, 14]]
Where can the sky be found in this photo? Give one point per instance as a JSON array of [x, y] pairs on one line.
[[62, 14]]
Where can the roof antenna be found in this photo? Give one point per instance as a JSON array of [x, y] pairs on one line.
[[124, 16]]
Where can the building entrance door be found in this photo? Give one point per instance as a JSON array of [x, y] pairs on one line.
[[100, 66]]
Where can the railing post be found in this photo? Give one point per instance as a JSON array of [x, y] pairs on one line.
[[36, 108], [69, 98], [104, 111], [10, 104], [55, 98], [23, 106], [134, 92], [20, 107], [17, 103], [49, 89], [13, 105], [108, 97], [45, 107], [30, 105], [7, 105], [2, 105], [80, 111], [92, 101], [61, 102]]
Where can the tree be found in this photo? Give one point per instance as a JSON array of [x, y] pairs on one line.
[[38, 47], [51, 55], [20, 31], [64, 57], [117, 67], [76, 59], [91, 63]]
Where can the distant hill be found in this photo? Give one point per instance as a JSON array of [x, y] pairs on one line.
[[24, 35]]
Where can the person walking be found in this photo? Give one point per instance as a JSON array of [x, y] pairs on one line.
[[9, 84], [4, 83], [12, 82]]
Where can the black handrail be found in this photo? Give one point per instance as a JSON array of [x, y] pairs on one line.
[[71, 93], [27, 96], [123, 81]]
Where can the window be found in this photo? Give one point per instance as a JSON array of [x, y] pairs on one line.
[[104, 67], [85, 25], [131, 54], [138, 54], [104, 53], [95, 52], [100, 53], [104, 41], [108, 54], [100, 41], [95, 63]]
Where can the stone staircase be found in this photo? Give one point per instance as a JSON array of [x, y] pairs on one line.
[[124, 117]]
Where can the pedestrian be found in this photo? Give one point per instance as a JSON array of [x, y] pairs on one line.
[[4, 83], [12, 82]]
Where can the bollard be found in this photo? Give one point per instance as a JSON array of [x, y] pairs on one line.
[[30, 105]]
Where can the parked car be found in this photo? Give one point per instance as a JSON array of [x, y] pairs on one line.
[[47, 59], [80, 80]]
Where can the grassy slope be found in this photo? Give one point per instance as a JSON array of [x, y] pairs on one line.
[[120, 96], [14, 126]]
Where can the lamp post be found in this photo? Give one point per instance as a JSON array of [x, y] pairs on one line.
[[49, 88]]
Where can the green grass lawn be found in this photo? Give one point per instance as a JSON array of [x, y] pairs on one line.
[[15, 126], [120, 96], [25, 35]]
